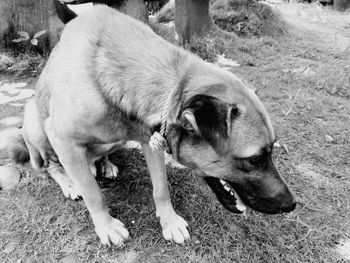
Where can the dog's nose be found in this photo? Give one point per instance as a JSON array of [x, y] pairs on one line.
[[290, 208]]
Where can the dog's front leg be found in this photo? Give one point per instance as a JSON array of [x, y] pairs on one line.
[[73, 157], [174, 226]]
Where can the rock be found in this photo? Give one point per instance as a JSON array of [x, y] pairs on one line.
[[73, 258], [9, 177]]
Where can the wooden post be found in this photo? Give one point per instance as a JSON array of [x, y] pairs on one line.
[[136, 9], [55, 25], [30, 16], [341, 5]]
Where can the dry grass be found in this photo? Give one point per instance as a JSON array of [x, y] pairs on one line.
[[21, 63], [247, 18], [38, 225], [243, 18]]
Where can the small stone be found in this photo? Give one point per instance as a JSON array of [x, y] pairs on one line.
[[197, 242], [9, 247], [70, 259], [329, 138], [341, 107], [9, 177], [277, 144]]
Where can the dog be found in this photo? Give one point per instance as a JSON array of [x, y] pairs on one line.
[[111, 79]]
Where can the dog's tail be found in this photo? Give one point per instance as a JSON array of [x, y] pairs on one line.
[[63, 12], [12, 146]]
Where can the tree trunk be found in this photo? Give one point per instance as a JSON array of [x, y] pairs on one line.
[[55, 25], [30, 16], [136, 9], [341, 5], [191, 18]]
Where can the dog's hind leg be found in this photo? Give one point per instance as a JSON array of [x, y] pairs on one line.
[[74, 158], [108, 169], [103, 167], [34, 136], [174, 226]]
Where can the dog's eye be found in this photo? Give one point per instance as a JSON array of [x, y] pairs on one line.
[[250, 164], [245, 165], [255, 160]]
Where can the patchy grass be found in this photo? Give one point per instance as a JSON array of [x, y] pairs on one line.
[[245, 18], [38, 225]]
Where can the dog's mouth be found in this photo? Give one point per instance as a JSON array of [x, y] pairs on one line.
[[226, 195]]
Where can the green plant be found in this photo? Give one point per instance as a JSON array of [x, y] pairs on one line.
[[24, 36]]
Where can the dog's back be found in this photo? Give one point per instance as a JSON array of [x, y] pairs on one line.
[[115, 55]]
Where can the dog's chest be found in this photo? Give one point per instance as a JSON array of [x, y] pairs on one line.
[[116, 126]]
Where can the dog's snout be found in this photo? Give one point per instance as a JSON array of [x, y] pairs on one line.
[[289, 208]]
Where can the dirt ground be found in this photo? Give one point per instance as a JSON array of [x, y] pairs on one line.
[[303, 78]]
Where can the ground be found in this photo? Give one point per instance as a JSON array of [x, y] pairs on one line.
[[303, 79]]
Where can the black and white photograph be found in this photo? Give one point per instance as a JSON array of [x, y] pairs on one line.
[[174, 131]]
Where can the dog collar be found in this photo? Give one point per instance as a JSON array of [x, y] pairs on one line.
[[158, 141]]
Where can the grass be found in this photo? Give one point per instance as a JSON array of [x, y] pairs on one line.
[[38, 225]]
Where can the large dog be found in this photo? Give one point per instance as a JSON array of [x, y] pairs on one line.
[[112, 79]]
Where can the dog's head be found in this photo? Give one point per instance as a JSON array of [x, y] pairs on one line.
[[228, 140]]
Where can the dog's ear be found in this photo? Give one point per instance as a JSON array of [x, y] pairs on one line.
[[189, 122], [205, 116]]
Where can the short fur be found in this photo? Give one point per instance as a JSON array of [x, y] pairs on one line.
[[109, 80]]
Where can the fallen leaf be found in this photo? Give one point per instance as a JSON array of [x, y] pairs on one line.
[[73, 258], [329, 138], [9, 247]]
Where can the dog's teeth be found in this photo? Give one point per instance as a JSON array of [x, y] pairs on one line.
[[239, 203], [227, 188], [225, 185], [222, 182]]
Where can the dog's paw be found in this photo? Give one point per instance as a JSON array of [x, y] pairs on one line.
[[72, 193], [175, 229], [68, 189], [113, 232], [109, 170]]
